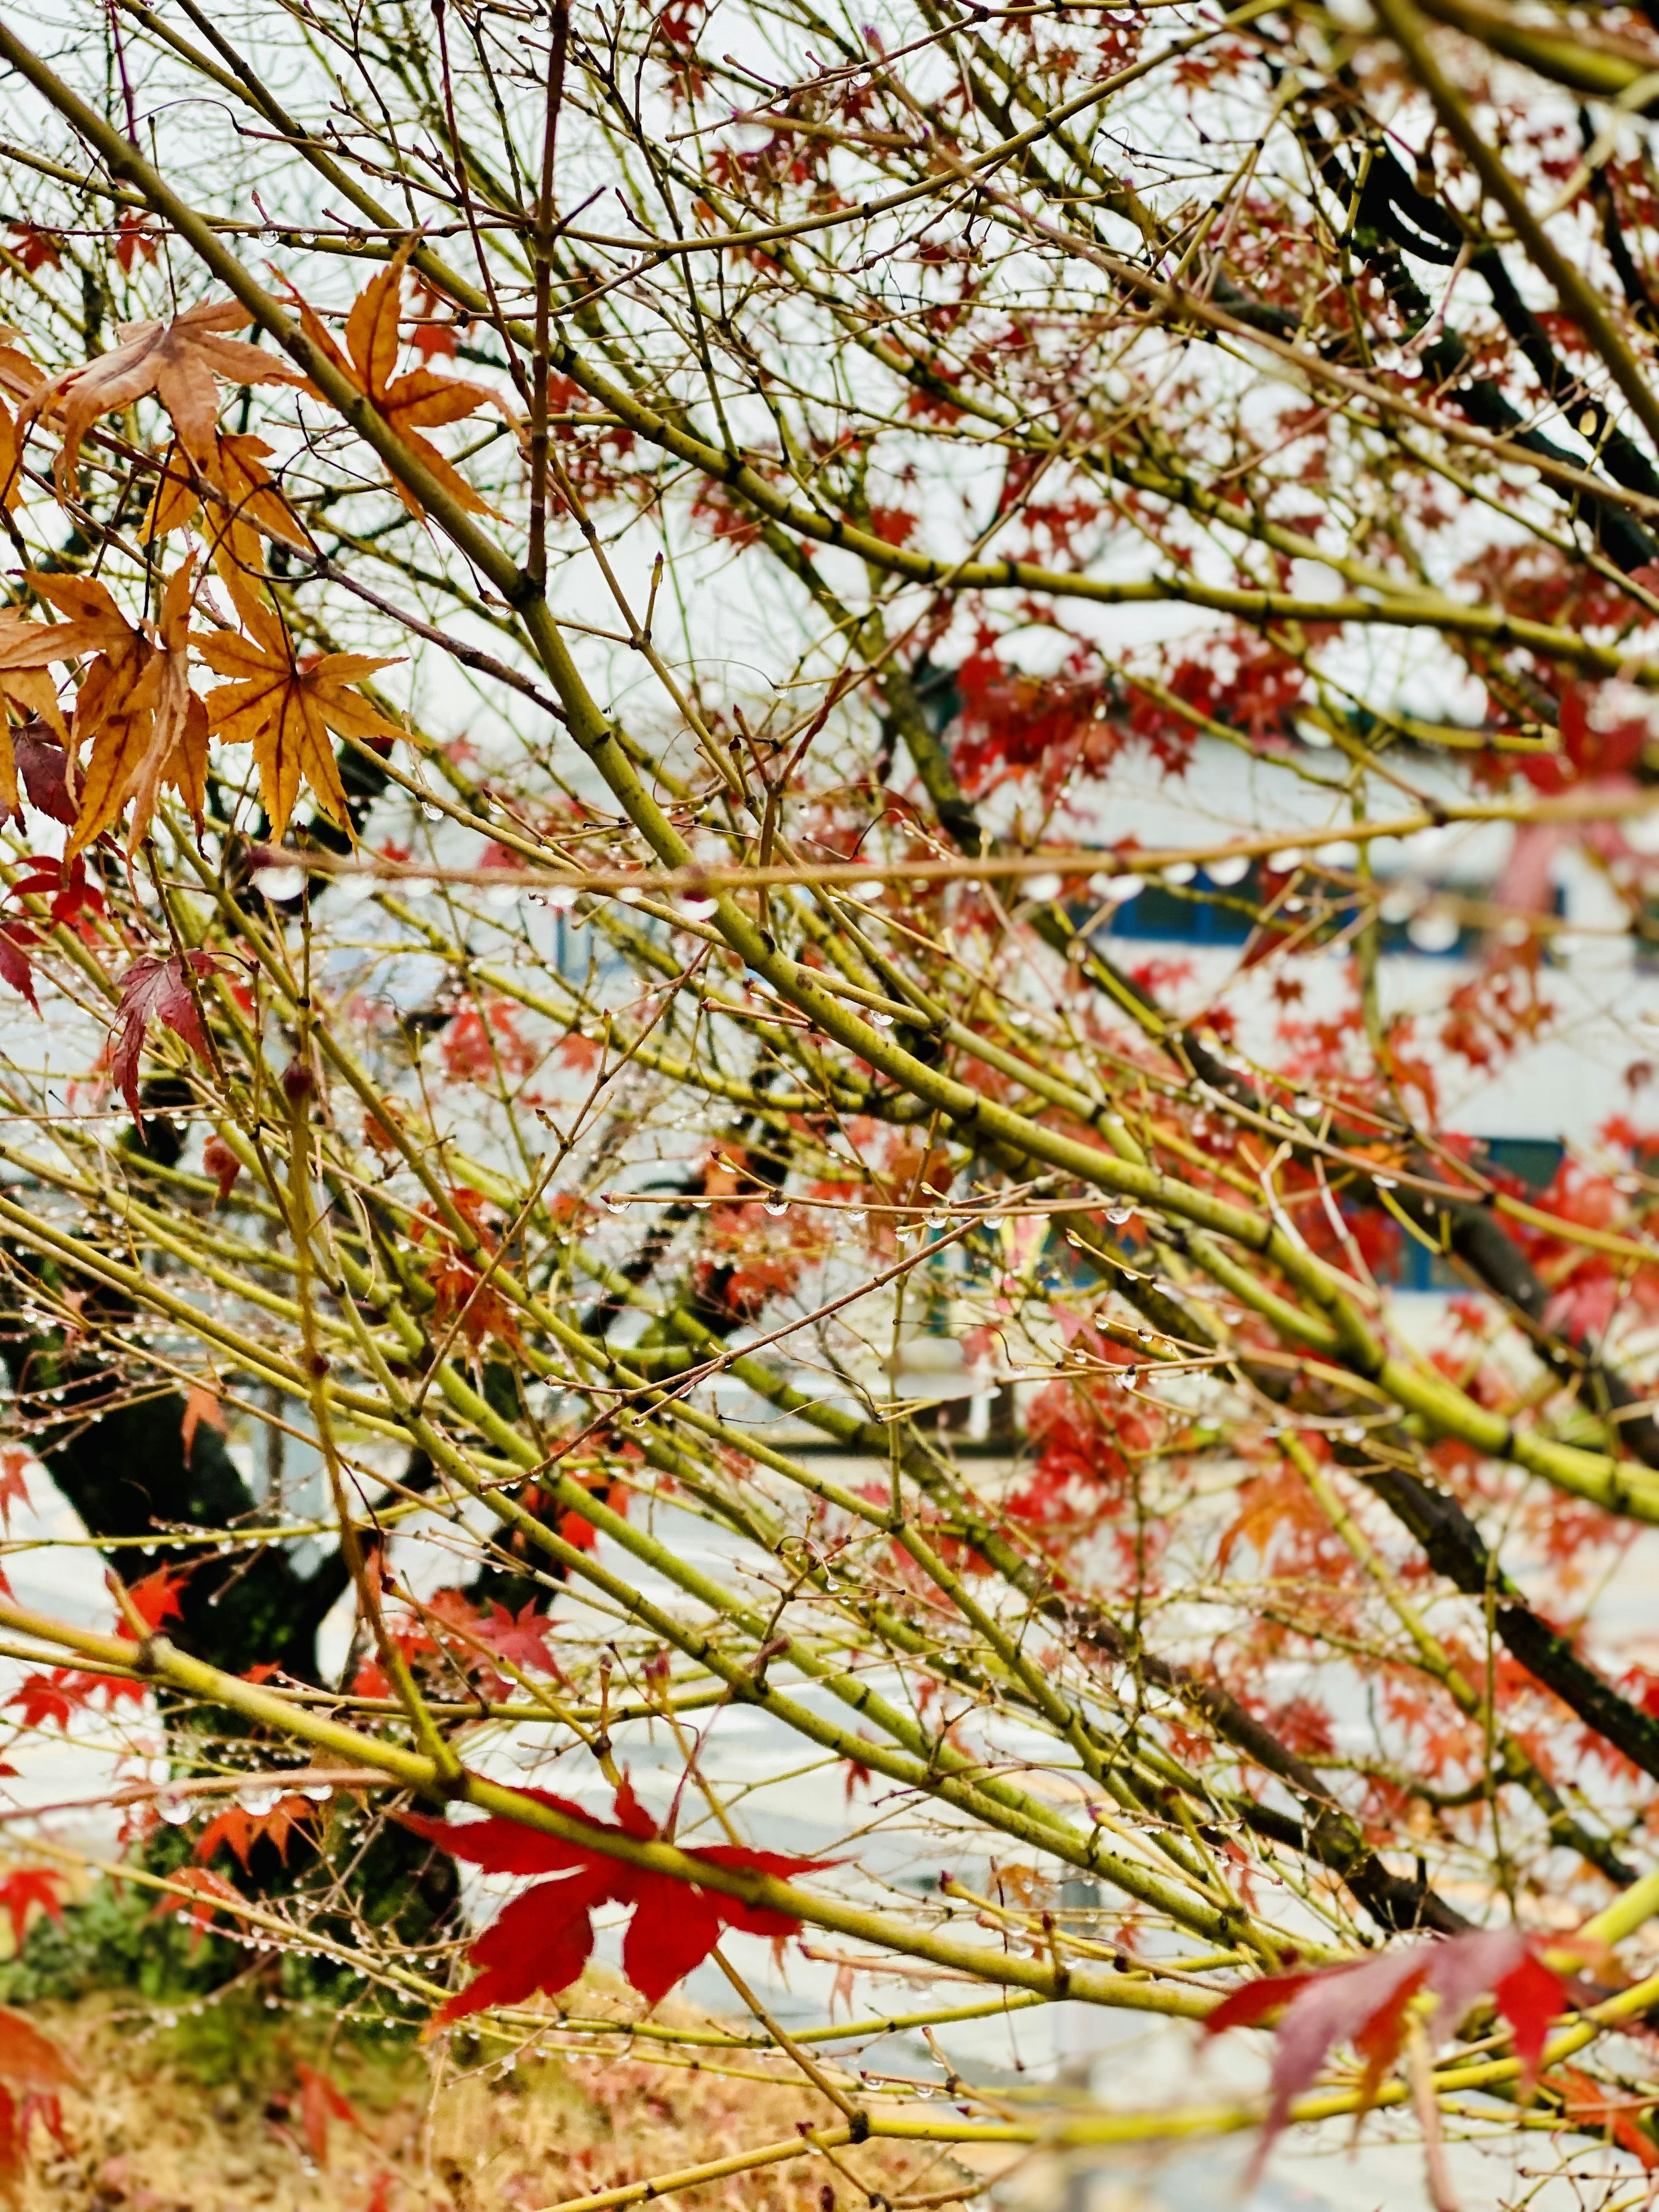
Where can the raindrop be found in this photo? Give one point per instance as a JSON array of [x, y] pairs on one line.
[[883, 1021], [175, 1811], [1231, 870], [258, 1800], [1042, 887], [1117, 1215], [318, 1791], [1182, 872], [697, 909], [562, 896], [777, 1206], [1434, 931], [279, 883]]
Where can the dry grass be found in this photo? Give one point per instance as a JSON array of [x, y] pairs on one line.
[[209, 2113]]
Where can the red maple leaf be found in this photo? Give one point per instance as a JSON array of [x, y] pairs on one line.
[[27, 1887], [45, 1698], [34, 2068], [13, 1460], [156, 1599], [240, 1830], [320, 2101], [521, 1636], [209, 1892], [543, 1939], [1366, 2004], [156, 990]]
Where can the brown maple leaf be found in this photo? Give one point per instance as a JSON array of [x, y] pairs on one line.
[[180, 362], [410, 403], [284, 707]]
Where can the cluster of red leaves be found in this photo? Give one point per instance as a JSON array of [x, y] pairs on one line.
[[70, 897], [483, 1044], [470, 1635], [1366, 2005], [54, 1698], [543, 1939], [1586, 1286], [1084, 1432]]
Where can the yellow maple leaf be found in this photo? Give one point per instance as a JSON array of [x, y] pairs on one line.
[[408, 404], [284, 707]]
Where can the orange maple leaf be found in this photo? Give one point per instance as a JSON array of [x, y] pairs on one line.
[[135, 706], [284, 707], [180, 362], [93, 624], [147, 727], [243, 502], [410, 403], [202, 1405]]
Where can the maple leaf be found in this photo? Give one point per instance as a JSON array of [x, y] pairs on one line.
[[419, 400], [201, 1405], [522, 1637], [180, 362], [155, 990], [13, 1488], [40, 767], [45, 1698], [240, 502], [34, 2069], [156, 1599], [240, 1830], [284, 707], [26, 1890], [321, 2101], [209, 1892], [14, 967], [544, 1938], [1366, 2004], [146, 726]]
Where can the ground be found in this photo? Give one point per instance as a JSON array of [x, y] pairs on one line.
[[232, 2105]]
